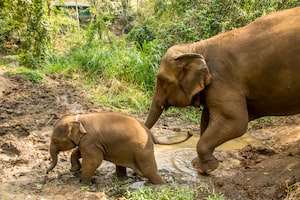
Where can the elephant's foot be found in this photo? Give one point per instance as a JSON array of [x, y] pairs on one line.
[[91, 184], [205, 167]]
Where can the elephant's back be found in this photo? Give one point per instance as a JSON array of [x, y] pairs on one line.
[[119, 126]]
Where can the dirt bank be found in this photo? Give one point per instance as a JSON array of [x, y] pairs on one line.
[[29, 110]]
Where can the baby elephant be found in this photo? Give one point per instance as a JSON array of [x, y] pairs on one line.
[[114, 137]]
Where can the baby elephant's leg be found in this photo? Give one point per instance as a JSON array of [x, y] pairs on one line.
[[75, 163], [146, 164], [90, 162]]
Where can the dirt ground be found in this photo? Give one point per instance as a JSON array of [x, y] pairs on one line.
[[29, 110]]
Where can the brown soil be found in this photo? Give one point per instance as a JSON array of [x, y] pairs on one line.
[[29, 110]]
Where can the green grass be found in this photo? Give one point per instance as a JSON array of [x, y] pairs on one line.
[[116, 73], [32, 75], [189, 113], [173, 191], [117, 95], [162, 193], [111, 59]]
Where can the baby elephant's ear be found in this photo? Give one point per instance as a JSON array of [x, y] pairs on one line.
[[81, 128], [76, 132]]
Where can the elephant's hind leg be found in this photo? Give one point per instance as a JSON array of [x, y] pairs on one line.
[[148, 168], [120, 172]]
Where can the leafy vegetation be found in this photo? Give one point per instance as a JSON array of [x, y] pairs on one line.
[[33, 76], [162, 192], [55, 45], [24, 30]]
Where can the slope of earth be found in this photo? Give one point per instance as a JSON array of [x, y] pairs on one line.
[[29, 110]]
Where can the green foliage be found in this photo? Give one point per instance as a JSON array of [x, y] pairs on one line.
[[84, 188], [189, 113], [61, 23], [115, 59], [173, 22], [210, 193], [13, 15], [162, 193], [141, 34], [32, 75], [36, 41], [118, 63], [39, 186], [125, 72], [24, 30]]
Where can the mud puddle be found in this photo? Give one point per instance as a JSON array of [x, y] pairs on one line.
[[177, 158], [236, 144]]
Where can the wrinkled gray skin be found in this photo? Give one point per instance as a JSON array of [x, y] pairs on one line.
[[237, 76], [106, 136]]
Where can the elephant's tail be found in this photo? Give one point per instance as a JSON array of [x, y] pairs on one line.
[[155, 141], [51, 167]]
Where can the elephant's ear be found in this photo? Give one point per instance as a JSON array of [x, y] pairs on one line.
[[76, 132], [194, 75]]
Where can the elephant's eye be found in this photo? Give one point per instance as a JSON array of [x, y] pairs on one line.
[[162, 78]]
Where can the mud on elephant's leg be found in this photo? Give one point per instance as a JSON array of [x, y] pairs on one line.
[[90, 162], [205, 163], [208, 163], [147, 167], [217, 132], [75, 163]]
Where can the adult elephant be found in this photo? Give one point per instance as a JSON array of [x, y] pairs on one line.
[[237, 76]]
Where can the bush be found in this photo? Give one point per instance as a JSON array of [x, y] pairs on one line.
[[132, 61], [117, 59], [173, 22], [25, 30], [32, 75]]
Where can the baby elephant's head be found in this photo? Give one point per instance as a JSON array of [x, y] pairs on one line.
[[65, 136]]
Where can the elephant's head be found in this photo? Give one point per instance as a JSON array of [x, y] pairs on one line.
[[65, 136], [180, 78]]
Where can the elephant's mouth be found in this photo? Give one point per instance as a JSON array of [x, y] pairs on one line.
[[196, 100]]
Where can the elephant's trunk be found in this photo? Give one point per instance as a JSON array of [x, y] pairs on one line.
[[53, 153], [153, 115]]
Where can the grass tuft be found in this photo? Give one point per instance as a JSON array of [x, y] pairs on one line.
[[32, 75], [162, 192]]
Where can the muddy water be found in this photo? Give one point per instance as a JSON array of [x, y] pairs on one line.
[[177, 158], [235, 144]]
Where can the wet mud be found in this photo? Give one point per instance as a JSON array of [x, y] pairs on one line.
[[263, 164]]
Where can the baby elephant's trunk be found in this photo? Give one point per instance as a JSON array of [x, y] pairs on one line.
[[53, 153]]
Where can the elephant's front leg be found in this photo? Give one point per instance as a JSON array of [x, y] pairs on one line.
[[222, 126], [91, 160], [75, 163]]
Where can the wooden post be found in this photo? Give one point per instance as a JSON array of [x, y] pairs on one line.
[[77, 14]]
